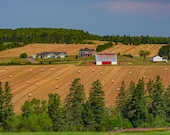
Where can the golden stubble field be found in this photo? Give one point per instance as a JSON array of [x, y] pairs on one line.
[[29, 82], [37, 81], [134, 50]]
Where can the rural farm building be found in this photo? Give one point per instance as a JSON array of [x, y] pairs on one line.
[[106, 58], [158, 59], [86, 52], [52, 55]]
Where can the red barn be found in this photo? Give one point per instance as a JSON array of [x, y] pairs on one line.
[[106, 58]]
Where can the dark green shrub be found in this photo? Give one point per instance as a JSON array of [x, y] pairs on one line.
[[23, 55]]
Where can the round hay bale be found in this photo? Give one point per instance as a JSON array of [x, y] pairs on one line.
[[101, 73], [118, 89], [30, 70], [28, 82], [51, 69], [36, 84], [93, 70], [29, 94], [144, 76], [57, 78], [113, 81], [56, 87], [130, 72], [6, 68], [79, 71], [41, 69], [10, 76], [165, 69]]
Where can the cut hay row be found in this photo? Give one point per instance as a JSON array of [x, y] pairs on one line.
[[36, 84], [134, 50], [71, 49]]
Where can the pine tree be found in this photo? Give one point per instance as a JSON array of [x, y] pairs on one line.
[[55, 112], [73, 106], [123, 99], [97, 105], [157, 104], [8, 108], [88, 117], [138, 112], [1, 104], [168, 104]]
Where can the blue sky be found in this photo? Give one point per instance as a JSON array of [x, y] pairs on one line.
[[101, 17]]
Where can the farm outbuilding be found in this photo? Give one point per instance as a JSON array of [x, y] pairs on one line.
[[106, 58]]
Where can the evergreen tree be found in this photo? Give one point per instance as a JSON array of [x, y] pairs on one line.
[[8, 108], [55, 112], [88, 117], [97, 105], [168, 104], [123, 99], [157, 104], [1, 104], [73, 106], [137, 112]]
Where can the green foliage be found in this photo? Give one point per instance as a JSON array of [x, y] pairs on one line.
[[133, 104], [73, 106], [168, 104], [138, 112], [34, 116], [164, 51], [55, 112], [103, 47], [143, 53], [23, 55], [7, 106], [157, 99], [97, 105]]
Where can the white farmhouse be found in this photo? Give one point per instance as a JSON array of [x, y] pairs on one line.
[[157, 58]]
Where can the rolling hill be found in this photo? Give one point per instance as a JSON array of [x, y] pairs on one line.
[[37, 81]]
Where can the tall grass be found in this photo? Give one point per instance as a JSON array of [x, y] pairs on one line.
[[87, 133]]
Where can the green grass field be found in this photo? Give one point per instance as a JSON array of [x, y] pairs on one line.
[[86, 133]]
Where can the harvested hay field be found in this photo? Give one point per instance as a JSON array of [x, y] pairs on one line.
[[29, 82], [30, 49], [134, 50]]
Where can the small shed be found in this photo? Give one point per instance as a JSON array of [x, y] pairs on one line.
[[106, 58]]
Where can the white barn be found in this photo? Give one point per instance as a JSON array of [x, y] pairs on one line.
[[106, 58]]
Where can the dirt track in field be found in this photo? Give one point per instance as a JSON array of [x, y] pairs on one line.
[[41, 80]]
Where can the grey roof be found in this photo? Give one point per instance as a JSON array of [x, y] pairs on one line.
[[56, 53]]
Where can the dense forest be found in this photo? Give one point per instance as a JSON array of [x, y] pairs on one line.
[[11, 38], [138, 105]]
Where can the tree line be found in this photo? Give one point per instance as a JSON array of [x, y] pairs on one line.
[[136, 106], [11, 38]]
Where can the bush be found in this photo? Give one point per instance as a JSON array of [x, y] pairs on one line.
[[23, 55]]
